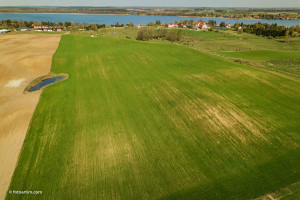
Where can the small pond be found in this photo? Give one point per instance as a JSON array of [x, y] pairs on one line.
[[45, 83]]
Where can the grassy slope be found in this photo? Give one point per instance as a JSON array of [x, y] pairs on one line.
[[137, 120], [274, 54], [284, 61], [232, 41]]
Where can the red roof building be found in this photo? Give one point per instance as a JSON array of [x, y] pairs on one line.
[[171, 25], [200, 25], [40, 26], [228, 25]]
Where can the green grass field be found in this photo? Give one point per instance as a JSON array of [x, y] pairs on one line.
[[283, 61], [274, 54], [140, 120]]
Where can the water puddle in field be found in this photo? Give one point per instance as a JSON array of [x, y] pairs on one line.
[[45, 83]]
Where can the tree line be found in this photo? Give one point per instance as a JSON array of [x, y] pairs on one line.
[[157, 34], [268, 30], [70, 25]]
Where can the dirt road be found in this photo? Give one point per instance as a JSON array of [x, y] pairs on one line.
[[23, 58]]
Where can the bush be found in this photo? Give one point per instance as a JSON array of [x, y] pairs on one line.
[[145, 35], [149, 34], [240, 31]]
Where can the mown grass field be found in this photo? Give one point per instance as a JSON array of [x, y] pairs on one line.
[[138, 120]]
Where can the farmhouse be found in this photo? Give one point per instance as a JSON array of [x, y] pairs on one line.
[[41, 27], [183, 26], [58, 28], [171, 25], [24, 29], [200, 25], [139, 25], [228, 25]]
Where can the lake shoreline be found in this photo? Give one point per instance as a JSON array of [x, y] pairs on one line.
[[142, 15], [111, 19]]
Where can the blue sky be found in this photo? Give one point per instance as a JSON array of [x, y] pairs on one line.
[[171, 3]]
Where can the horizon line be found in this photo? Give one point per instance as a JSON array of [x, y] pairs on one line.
[[43, 6]]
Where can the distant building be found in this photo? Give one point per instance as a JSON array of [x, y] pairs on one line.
[[4, 31], [41, 27], [58, 28], [24, 29], [228, 25], [200, 25], [139, 25], [171, 25], [183, 26]]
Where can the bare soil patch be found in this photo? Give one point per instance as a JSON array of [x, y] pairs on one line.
[[23, 58]]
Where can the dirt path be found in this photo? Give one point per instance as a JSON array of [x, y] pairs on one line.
[[23, 58]]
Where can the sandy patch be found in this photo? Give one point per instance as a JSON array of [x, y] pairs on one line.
[[15, 83], [23, 58]]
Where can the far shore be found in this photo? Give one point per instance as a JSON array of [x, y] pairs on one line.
[[144, 15]]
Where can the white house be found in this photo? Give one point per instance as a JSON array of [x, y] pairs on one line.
[[228, 25], [24, 29], [171, 25], [139, 25], [41, 27], [183, 26], [200, 25], [58, 28]]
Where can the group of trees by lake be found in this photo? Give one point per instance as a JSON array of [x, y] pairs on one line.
[[157, 34], [20, 23], [268, 30], [15, 24]]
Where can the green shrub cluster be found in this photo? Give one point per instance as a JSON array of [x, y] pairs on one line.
[[157, 34]]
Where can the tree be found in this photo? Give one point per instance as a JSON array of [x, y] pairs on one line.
[[67, 24], [150, 24], [240, 30], [7, 22], [131, 24], [21, 23], [212, 23], [191, 21], [236, 26], [94, 27], [222, 24], [287, 36], [294, 34]]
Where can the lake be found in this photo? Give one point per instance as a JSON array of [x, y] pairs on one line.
[[125, 19]]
